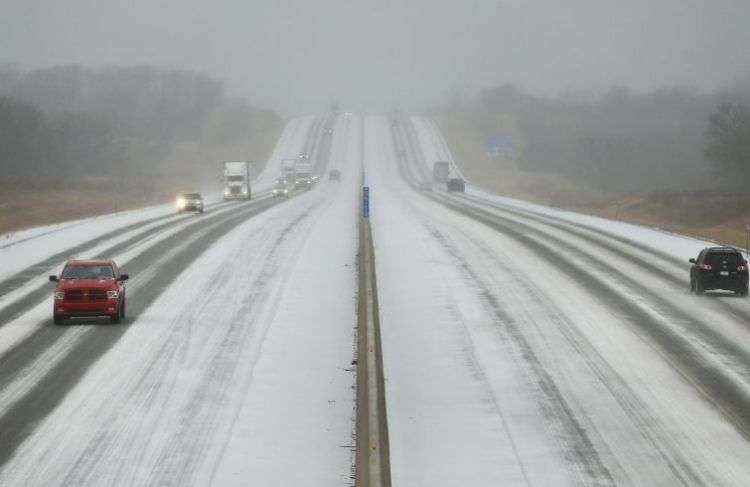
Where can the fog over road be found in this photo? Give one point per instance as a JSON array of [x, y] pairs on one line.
[[298, 55], [522, 345]]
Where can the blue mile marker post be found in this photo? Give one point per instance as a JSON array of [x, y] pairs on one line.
[[366, 201]]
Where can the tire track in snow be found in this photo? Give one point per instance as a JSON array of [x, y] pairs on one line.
[[196, 424], [683, 470], [17, 421], [718, 386], [728, 393], [40, 293], [579, 448], [608, 377], [38, 271], [182, 457], [603, 239]]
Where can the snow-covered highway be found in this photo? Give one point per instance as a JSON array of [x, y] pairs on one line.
[[225, 320], [525, 345], [522, 345]]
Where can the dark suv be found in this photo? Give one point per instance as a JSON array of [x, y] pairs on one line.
[[719, 268]]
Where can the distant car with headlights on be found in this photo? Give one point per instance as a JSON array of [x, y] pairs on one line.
[[282, 188], [89, 288], [189, 202]]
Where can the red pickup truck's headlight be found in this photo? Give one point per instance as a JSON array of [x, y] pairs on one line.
[[113, 294], [59, 295]]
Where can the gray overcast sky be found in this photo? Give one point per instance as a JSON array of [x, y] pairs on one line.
[[298, 55]]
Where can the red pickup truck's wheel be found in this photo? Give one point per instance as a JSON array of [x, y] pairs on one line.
[[58, 319]]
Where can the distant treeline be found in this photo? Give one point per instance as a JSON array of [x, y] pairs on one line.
[[667, 139], [69, 121]]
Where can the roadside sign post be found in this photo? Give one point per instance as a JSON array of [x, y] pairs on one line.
[[366, 201]]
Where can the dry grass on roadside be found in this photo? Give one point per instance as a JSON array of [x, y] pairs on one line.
[[712, 215], [26, 203]]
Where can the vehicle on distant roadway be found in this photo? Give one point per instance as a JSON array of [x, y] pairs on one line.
[[237, 180], [282, 188], [441, 171], [456, 185], [303, 175], [721, 268], [289, 170], [303, 182], [334, 175], [189, 202], [89, 288]]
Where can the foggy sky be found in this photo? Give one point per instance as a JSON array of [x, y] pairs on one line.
[[299, 55]]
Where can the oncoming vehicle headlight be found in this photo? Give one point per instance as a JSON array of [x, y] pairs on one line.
[[226, 191], [59, 295], [113, 294], [181, 203]]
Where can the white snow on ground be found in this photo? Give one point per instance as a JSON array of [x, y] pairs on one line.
[[238, 374], [24, 248], [40, 244], [291, 143], [445, 426], [20, 252], [290, 427], [478, 330], [501, 369], [435, 148]]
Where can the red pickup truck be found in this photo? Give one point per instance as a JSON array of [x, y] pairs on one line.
[[89, 288]]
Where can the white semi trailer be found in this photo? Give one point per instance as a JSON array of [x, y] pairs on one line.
[[237, 181], [303, 174], [289, 170], [441, 172]]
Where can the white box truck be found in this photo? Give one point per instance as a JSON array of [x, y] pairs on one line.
[[303, 175], [236, 181], [441, 171], [289, 170]]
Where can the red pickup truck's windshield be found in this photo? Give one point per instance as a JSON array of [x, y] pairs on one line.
[[88, 272]]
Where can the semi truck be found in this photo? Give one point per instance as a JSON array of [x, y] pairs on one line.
[[237, 180], [441, 171], [303, 175], [289, 170]]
